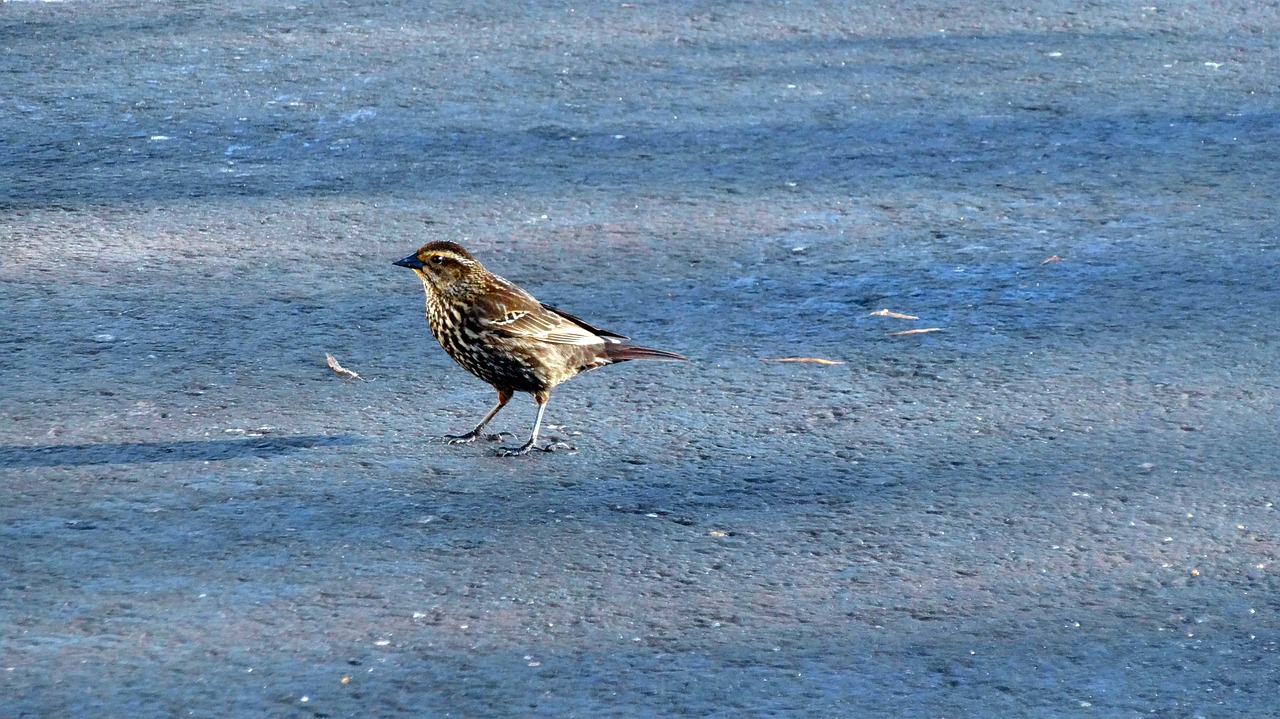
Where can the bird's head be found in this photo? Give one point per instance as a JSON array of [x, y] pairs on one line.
[[443, 266]]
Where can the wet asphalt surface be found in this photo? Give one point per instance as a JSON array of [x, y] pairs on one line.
[[1058, 504]]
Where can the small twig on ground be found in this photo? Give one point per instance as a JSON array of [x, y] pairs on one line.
[[895, 315], [339, 369], [810, 360]]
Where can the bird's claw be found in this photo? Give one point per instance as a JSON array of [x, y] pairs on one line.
[[530, 447], [473, 436]]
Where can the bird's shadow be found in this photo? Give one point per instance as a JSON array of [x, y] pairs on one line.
[[60, 455]]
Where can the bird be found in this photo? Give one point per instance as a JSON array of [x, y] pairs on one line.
[[503, 335]]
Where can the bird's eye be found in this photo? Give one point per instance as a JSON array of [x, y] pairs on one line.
[[437, 259]]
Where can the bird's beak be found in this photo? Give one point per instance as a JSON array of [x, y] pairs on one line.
[[412, 262]]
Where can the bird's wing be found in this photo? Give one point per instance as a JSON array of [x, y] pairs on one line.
[[582, 323], [518, 314]]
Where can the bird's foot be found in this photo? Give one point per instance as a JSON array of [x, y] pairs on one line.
[[473, 435], [529, 446]]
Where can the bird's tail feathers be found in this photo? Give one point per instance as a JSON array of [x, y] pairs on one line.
[[622, 353]]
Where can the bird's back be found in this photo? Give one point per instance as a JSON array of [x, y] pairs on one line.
[[482, 344]]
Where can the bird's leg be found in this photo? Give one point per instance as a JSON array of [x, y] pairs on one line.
[[532, 444], [504, 396]]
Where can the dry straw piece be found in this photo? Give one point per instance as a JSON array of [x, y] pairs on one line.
[[338, 369], [895, 315], [810, 360]]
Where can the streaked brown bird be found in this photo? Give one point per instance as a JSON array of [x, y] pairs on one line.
[[501, 334]]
